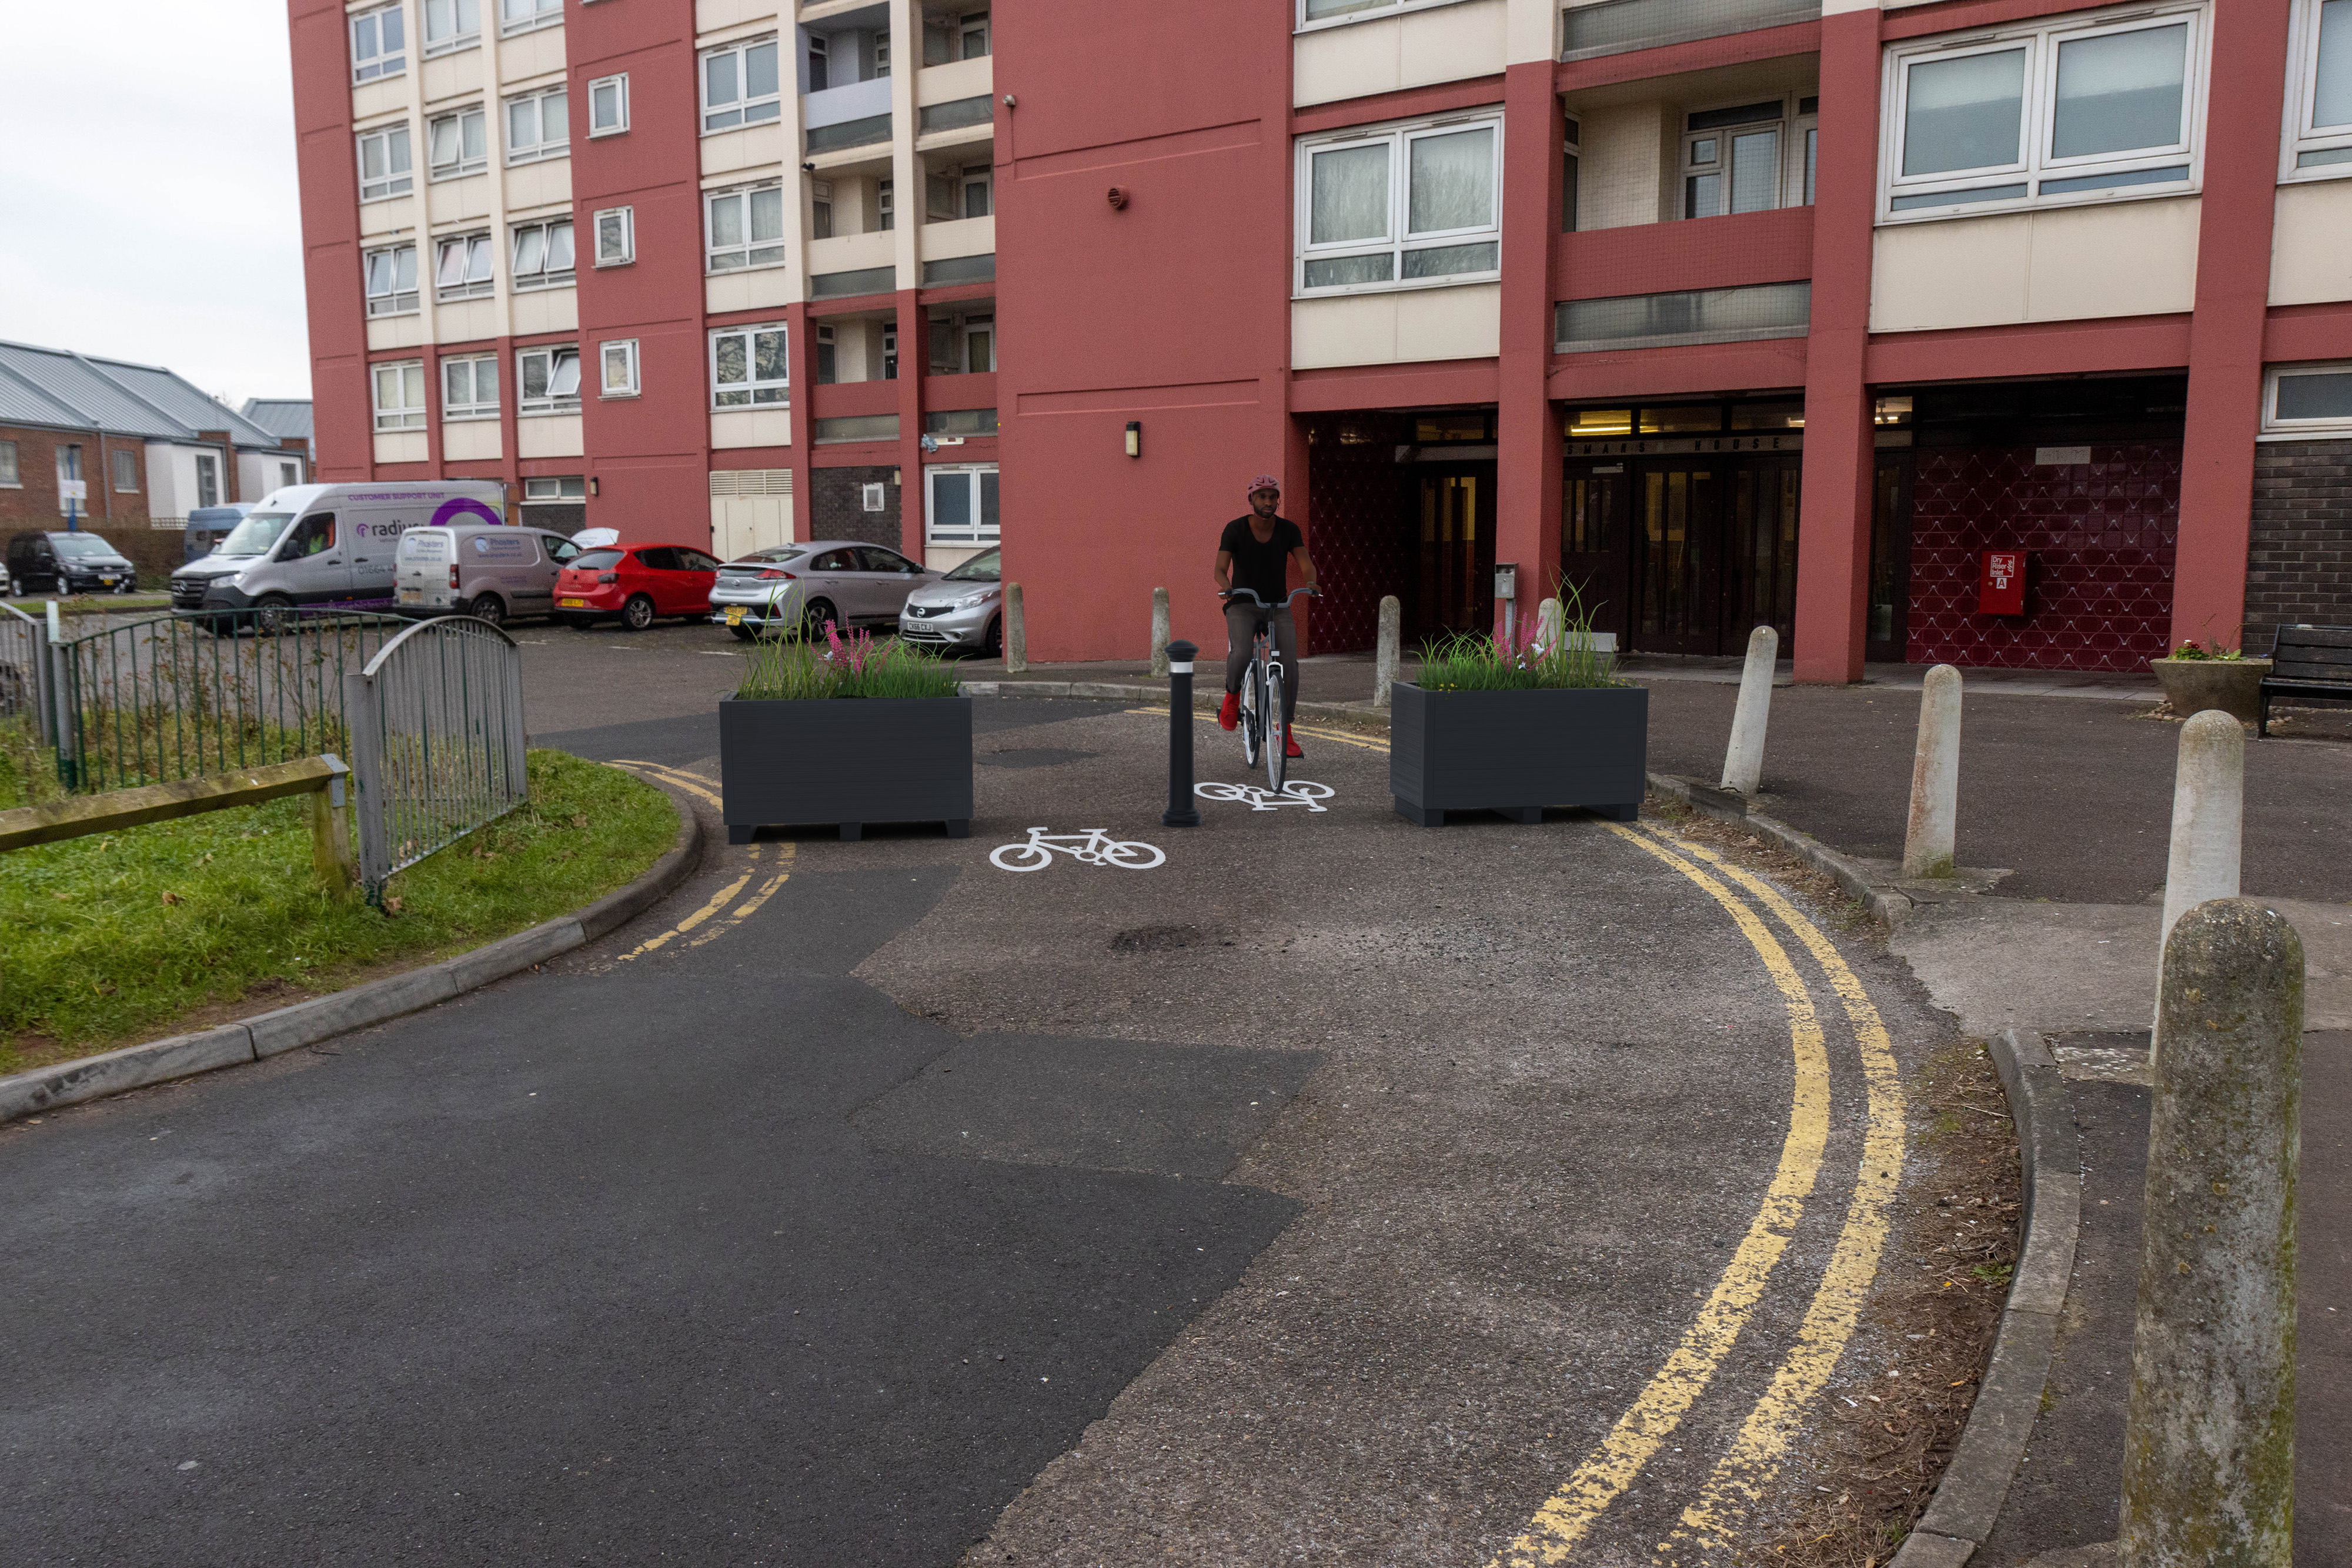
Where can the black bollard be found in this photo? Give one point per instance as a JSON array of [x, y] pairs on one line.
[[1180, 812]]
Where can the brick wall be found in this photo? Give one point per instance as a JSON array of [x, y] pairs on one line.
[[837, 505], [2299, 556], [32, 503]]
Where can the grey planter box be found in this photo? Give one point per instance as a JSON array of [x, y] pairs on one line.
[[1518, 752], [845, 760]]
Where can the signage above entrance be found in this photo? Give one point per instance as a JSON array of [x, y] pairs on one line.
[[1669, 445]]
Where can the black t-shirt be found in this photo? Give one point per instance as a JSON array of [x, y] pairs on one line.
[[1260, 566]]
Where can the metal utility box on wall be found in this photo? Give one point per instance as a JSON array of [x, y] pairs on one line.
[[2002, 589]]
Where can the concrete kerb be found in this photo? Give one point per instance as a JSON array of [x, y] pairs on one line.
[[1888, 906], [323, 1018]]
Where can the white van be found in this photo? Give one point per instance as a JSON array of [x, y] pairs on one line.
[[482, 569], [324, 545]]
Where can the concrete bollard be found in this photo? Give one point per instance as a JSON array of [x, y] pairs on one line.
[[1016, 636], [1935, 777], [1384, 660], [1160, 634], [2209, 817], [1551, 624], [1743, 760], [2209, 1439]]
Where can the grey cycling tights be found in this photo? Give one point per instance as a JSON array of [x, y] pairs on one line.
[[1241, 635]]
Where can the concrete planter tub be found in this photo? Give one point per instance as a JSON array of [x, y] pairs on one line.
[[2232, 686], [845, 760], [1517, 752]]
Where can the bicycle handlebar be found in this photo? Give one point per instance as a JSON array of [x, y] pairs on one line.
[[1251, 594]]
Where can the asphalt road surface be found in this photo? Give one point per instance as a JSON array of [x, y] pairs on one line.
[[1336, 1190]]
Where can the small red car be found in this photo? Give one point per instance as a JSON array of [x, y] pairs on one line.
[[638, 583]]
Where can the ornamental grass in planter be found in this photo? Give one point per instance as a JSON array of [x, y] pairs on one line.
[[2195, 678], [848, 732], [1517, 724]]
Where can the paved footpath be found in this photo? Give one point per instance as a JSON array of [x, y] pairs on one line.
[[1338, 1190]]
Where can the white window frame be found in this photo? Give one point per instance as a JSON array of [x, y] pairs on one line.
[[1720, 166], [460, 36], [2301, 93], [462, 164], [777, 249], [984, 177], [122, 462], [392, 183], [542, 148], [541, 276], [473, 406], [11, 475], [1370, 11], [560, 488], [821, 208], [626, 220], [755, 391], [618, 85], [2041, 39], [622, 351], [559, 356], [477, 254], [967, 26], [980, 534], [745, 109], [528, 15], [1400, 135], [393, 300], [2277, 429], [384, 62], [407, 376], [208, 473]]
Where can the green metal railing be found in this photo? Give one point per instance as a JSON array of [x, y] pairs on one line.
[[438, 742]]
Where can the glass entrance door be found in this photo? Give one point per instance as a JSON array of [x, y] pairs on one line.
[[1455, 589], [1764, 492], [1678, 559], [1594, 560]]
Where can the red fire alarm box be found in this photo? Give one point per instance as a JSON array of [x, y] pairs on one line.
[[2001, 591]]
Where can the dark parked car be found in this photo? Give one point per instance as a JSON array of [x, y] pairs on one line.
[[67, 563]]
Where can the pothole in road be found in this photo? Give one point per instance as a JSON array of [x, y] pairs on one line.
[[1162, 938]]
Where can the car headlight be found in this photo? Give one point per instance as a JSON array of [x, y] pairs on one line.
[[974, 601]]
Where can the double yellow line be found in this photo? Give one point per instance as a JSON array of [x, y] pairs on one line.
[[709, 915]]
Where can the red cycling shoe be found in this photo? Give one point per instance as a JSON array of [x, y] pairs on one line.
[[1230, 716], [1290, 745]]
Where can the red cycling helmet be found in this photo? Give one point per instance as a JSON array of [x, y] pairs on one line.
[[1265, 482]]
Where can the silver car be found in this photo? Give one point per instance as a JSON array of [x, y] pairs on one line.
[[802, 587], [964, 608]]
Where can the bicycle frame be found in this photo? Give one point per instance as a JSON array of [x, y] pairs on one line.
[[1263, 690]]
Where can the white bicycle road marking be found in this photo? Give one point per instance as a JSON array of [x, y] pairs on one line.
[[1088, 846], [1295, 792]]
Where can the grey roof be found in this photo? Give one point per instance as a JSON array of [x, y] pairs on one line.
[[58, 388], [280, 415]]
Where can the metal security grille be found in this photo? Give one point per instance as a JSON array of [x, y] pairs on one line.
[[169, 697], [438, 742], [751, 481]]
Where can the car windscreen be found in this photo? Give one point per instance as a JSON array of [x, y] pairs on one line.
[[985, 566], [80, 545], [596, 559], [255, 535]]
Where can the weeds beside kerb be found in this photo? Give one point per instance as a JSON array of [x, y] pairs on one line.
[[1522, 659], [796, 668]]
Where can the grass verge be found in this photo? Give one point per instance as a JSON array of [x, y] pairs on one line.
[[123, 937]]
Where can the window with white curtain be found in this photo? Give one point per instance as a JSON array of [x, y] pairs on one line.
[[458, 143], [2079, 109], [608, 105], [2319, 91], [616, 236], [1400, 207], [539, 125], [469, 387], [378, 49], [400, 395], [392, 280], [747, 367], [548, 380], [619, 373], [461, 268], [744, 227], [740, 86], [522, 16], [384, 164], [451, 24], [542, 253]]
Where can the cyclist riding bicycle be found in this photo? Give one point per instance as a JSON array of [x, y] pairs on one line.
[[1252, 554]]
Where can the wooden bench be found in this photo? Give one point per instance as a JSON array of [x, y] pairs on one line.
[[2308, 662]]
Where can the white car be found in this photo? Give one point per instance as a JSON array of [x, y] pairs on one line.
[[802, 587]]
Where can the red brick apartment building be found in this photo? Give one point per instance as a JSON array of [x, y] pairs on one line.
[[1727, 312]]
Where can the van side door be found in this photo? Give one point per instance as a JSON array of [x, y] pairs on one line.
[[375, 543], [312, 564]]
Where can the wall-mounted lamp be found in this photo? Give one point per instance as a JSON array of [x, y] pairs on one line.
[[810, 168], [592, 488], [1010, 101], [1135, 438], [1118, 199]]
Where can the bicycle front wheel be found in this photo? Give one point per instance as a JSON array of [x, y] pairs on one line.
[[1253, 709], [1020, 857], [1133, 856], [1277, 734]]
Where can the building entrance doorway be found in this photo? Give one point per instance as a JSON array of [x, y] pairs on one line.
[[1684, 553], [1453, 588]]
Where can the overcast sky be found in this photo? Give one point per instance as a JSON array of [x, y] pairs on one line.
[[149, 188]]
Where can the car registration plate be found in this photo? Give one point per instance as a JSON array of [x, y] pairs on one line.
[[573, 603], [412, 596], [734, 615]]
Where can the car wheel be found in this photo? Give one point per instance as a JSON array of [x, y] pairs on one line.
[[637, 613], [992, 645], [814, 616], [274, 616], [744, 634], [487, 607]]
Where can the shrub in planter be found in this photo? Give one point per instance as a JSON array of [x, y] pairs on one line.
[[1515, 726], [847, 733], [2196, 678]]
